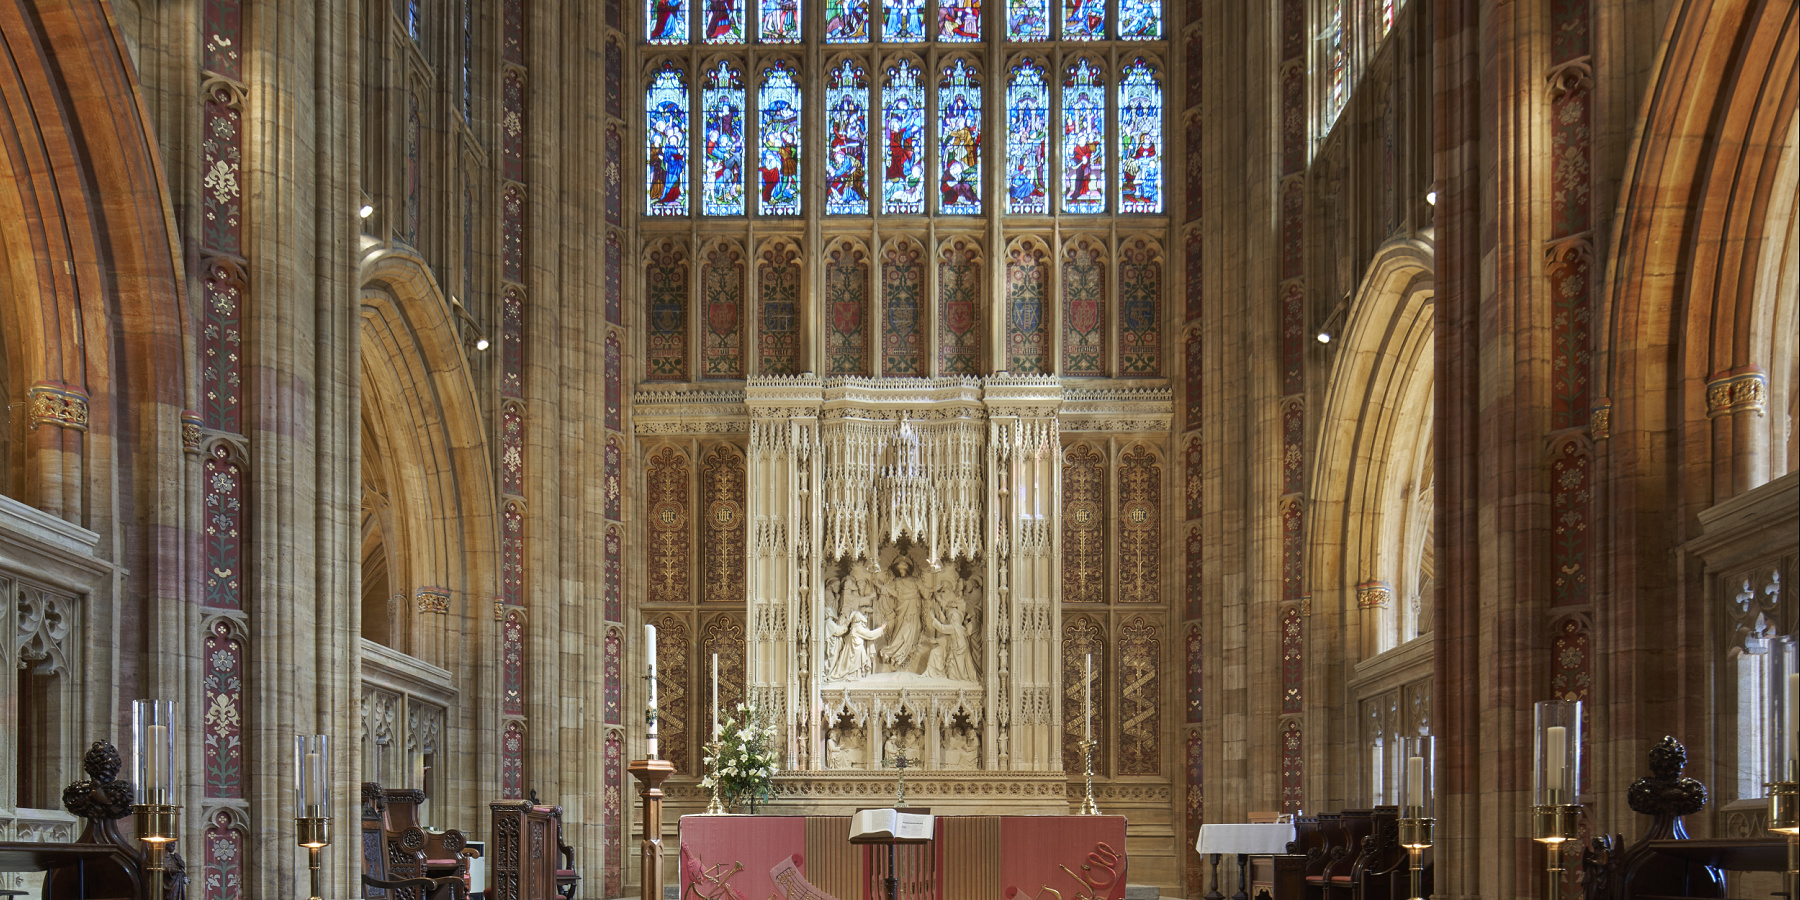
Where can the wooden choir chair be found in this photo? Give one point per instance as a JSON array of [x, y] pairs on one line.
[[403, 860], [527, 857]]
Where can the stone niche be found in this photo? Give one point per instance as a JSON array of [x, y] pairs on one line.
[[903, 588]]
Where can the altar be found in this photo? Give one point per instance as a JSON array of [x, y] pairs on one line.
[[970, 858]]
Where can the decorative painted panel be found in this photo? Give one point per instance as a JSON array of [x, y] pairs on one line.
[[222, 348], [512, 664], [1196, 167], [1196, 808], [613, 175], [722, 306], [778, 136], [1027, 334], [1140, 308], [1192, 60], [1140, 136], [1293, 772], [613, 805], [223, 725], [846, 311], [1084, 308], [778, 309], [1083, 638], [1140, 723], [612, 478], [222, 871], [1570, 474], [615, 279], [614, 574], [512, 233], [959, 310], [673, 648], [1196, 475], [615, 381], [1569, 270], [1196, 271], [221, 195], [615, 14], [512, 343], [1196, 664], [666, 495], [1293, 674], [411, 178], [1569, 655], [224, 29], [613, 687], [512, 125], [512, 761], [512, 554], [512, 448], [959, 139], [724, 635], [1140, 526], [1027, 139], [902, 310], [1196, 373], [1293, 446], [724, 547], [1196, 571], [847, 121], [1084, 525], [1293, 556], [1293, 338], [224, 586], [666, 293], [512, 32]]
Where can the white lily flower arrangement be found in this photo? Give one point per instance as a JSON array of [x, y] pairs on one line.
[[740, 765]]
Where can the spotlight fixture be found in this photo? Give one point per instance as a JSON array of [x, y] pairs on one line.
[[367, 210], [481, 343], [1431, 196], [1324, 337]]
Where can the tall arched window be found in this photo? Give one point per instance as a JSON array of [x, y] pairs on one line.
[[778, 21], [1028, 20], [1084, 139], [903, 131], [846, 21], [666, 142], [1140, 139], [722, 111], [959, 140], [847, 122], [723, 21], [666, 21], [1027, 140], [778, 136]]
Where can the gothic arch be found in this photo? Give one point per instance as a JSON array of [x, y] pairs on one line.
[[420, 399], [1374, 448]]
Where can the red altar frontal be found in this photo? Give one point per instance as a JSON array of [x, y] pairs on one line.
[[971, 858]]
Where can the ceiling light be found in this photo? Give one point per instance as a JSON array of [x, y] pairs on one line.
[[1431, 196], [481, 343], [366, 211], [1324, 337]]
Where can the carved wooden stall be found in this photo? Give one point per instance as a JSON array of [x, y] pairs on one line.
[[402, 859], [102, 864], [529, 859]]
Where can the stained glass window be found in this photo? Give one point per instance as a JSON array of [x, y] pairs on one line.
[[902, 21], [1140, 20], [846, 21], [959, 140], [778, 156], [903, 129], [1028, 20], [959, 21], [1387, 17], [1084, 139], [1084, 20], [1339, 58], [667, 21], [1140, 140], [465, 83], [847, 122], [722, 115], [779, 21], [723, 21], [666, 142], [1027, 140]]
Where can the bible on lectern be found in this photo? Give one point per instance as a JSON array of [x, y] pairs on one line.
[[890, 824]]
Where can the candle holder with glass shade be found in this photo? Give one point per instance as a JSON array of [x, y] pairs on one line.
[[153, 755], [1418, 811], [1784, 751], [312, 798], [1087, 744], [1556, 779]]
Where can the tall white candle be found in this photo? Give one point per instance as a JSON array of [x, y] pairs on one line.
[[310, 801], [715, 696], [1556, 747], [650, 701], [1415, 782], [156, 744], [1087, 701]]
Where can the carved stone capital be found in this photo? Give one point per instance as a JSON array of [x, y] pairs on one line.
[[432, 600], [1739, 392], [54, 403], [1374, 595]]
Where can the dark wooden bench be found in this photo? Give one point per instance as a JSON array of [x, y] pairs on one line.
[[527, 857], [1664, 863], [102, 864]]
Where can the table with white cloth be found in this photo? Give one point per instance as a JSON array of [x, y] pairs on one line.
[[1242, 841]]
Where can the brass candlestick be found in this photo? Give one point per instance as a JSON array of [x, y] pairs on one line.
[[901, 763], [1551, 825], [1088, 806], [715, 806], [315, 836], [157, 824], [1415, 836]]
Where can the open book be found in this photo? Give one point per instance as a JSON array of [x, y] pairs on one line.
[[891, 824]]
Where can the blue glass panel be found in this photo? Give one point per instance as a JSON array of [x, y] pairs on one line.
[[1084, 20], [778, 159], [722, 111], [1028, 140], [902, 21], [1084, 139], [779, 21], [666, 142], [722, 21], [666, 21], [1140, 20], [959, 21], [846, 21], [1140, 140], [1028, 20], [959, 140], [903, 129], [847, 122]]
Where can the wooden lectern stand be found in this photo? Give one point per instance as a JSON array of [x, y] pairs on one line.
[[652, 772]]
